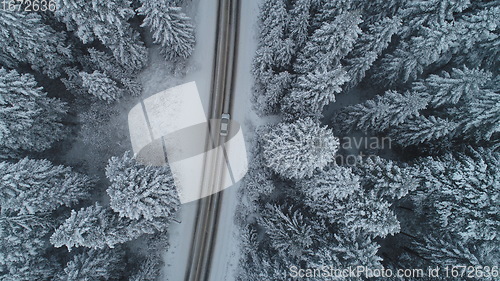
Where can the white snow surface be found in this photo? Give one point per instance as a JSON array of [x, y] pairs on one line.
[[156, 79]]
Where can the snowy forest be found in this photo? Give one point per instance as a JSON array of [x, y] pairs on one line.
[[380, 145], [73, 200], [376, 145]]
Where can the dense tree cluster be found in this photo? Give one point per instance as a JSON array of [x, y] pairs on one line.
[[62, 75], [29, 119], [423, 74], [143, 199]]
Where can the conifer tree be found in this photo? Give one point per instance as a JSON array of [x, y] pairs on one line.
[[108, 22], [98, 227], [171, 28], [26, 39], [109, 66], [105, 264], [73, 82], [452, 87], [149, 270], [37, 186], [273, 57], [330, 43], [381, 113], [436, 43], [480, 119], [430, 12], [101, 86], [449, 250], [288, 231], [300, 17], [421, 129], [461, 190], [313, 91], [368, 48], [413, 56], [29, 120], [328, 11], [386, 178], [333, 183], [364, 211], [296, 150], [348, 249], [273, 37], [141, 192], [271, 88], [375, 11], [23, 246]]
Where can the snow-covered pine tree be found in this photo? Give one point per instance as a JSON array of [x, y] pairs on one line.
[[98, 227], [313, 91], [73, 82], [149, 270], [132, 87], [368, 48], [289, 232], [22, 247], [37, 268], [109, 66], [449, 250], [336, 196], [300, 17], [170, 27], [101, 86], [328, 10], [386, 178], [270, 89], [478, 34], [26, 39], [93, 264], [108, 22], [462, 192], [37, 186], [479, 119], [348, 249], [329, 44], [420, 129], [413, 56], [436, 43], [141, 192], [273, 37], [331, 184], [450, 88], [29, 120], [364, 211], [129, 51], [376, 10], [256, 186], [271, 63], [381, 113], [429, 12], [295, 150]]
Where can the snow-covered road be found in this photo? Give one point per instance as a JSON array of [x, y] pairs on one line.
[[226, 253], [204, 12]]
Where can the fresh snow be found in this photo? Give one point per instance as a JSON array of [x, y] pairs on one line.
[[155, 79]]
